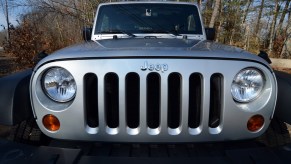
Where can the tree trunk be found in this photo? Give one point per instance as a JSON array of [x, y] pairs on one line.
[[247, 40], [214, 13], [7, 21], [218, 33], [207, 11], [259, 17], [199, 3], [272, 30], [282, 17], [286, 50], [246, 11], [245, 28], [233, 20]]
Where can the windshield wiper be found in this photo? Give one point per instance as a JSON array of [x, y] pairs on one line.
[[118, 31], [175, 33]]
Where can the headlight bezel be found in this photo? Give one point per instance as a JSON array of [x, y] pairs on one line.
[[258, 92], [46, 92]]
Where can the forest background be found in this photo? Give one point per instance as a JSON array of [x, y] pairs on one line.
[[48, 25]]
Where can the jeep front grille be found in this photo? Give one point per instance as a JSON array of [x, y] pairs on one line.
[[155, 116], [186, 101]]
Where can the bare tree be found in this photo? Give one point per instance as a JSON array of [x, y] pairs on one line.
[[245, 12], [272, 30], [233, 18], [286, 50], [6, 13], [220, 22], [199, 3], [257, 27], [282, 17], [246, 28], [207, 11], [214, 13]]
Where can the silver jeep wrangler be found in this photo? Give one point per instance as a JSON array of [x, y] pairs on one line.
[[148, 72], [149, 75]]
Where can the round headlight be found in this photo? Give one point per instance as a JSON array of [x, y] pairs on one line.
[[59, 84], [247, 85]]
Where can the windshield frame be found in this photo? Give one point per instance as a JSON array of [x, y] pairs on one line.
[[164, 34]]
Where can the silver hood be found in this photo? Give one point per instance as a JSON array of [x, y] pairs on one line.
[[151, 48]]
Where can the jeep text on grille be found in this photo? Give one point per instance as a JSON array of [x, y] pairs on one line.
[[156, 67]]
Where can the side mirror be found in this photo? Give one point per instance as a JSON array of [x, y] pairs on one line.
[[87, 31], [265, 56], [39, 57], [210, 33]]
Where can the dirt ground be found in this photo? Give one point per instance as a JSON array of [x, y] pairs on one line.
[[287, 70]]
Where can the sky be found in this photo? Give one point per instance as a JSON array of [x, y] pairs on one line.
[[14, 14], [2, 18]]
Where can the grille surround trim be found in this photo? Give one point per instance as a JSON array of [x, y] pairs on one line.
[[143, 133]]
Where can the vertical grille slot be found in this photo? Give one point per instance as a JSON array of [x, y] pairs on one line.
[[153, 100], [132, 99], [111, 100], [216, 88], [91, 99], [195, 100], [174, 100]]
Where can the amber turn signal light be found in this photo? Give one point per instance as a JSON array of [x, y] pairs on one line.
[[51, 122], [255, 123]]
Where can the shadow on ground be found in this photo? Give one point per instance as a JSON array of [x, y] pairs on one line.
[[4, 131], [7, 64]]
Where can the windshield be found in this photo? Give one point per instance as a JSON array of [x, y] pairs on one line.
[[148, 18]]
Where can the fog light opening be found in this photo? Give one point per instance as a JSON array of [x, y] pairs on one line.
[[255, 123], [51, 122]]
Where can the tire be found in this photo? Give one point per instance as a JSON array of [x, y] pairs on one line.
[[27, 132], [277, 134]]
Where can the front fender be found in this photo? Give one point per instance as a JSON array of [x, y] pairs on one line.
[[283, 106], [15, 103]]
